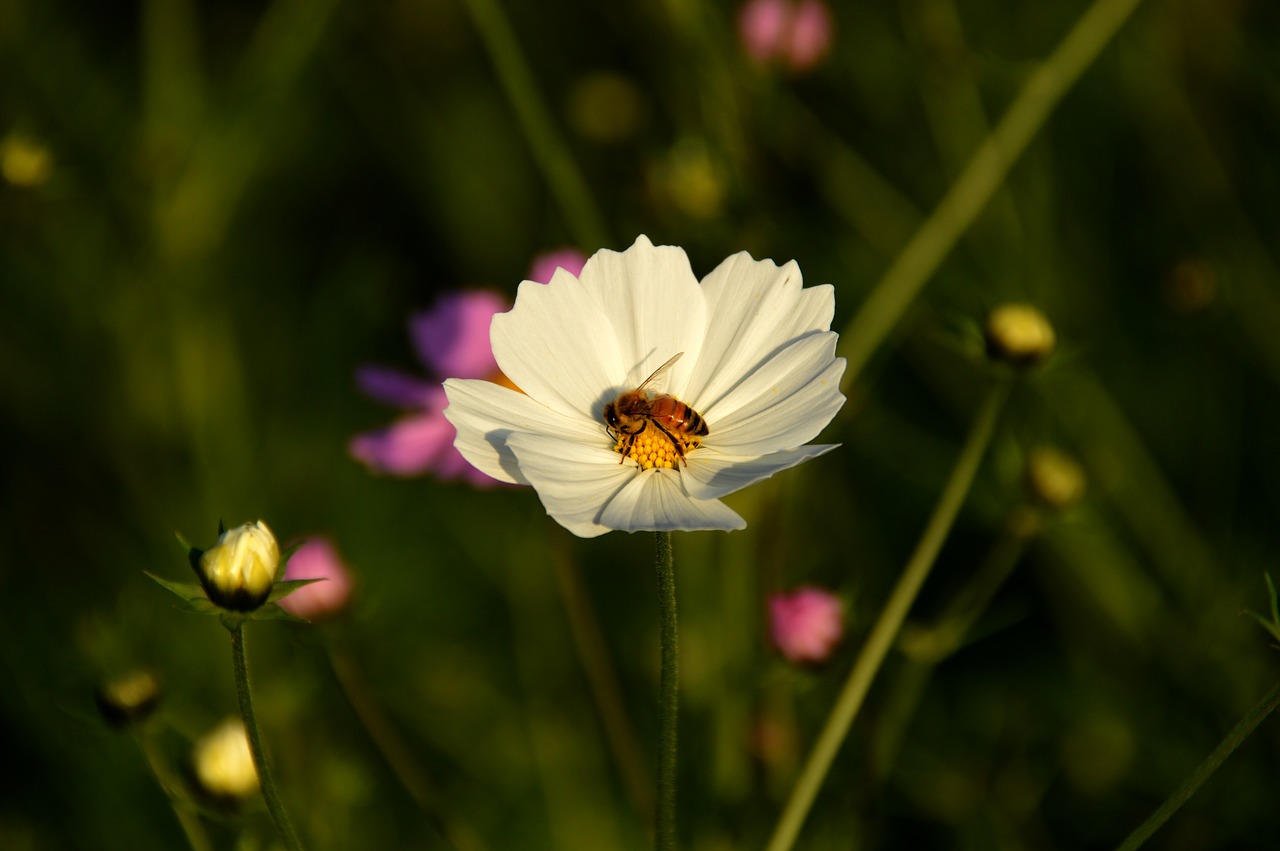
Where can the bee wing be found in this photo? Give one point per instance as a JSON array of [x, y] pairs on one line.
[[660, 371]]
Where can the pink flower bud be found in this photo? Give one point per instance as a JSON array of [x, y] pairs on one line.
[[317, 559], [806, 624]]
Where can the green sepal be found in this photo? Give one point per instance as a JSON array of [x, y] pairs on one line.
[[272, 612], [285, 587], [193, 553], [193, 596], [285, 555]]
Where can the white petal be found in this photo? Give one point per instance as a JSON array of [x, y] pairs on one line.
[[712, 474], [486, 415], [654, 501], [557, 345], [654, 307], [754, 309], [783, 403], [574, 481]]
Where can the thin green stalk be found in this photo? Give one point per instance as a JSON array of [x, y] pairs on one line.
[[1203, 771], [665, 833], [393, 747], [886, 628], [274, 805], [931, 645], [192, 827], [982, 175], [603, 679], [549, 150]]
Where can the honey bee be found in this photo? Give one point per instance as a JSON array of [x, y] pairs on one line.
[[635, 412]]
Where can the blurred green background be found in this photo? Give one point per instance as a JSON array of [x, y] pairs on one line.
[[220, 210]]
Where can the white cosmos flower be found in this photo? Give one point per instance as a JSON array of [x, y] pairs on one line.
[[758, 364]]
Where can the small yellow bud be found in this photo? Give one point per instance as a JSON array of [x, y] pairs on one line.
[[129, 699], [1054, 479], [223, 763], [24, 161], [1019, 334], [238, 571]]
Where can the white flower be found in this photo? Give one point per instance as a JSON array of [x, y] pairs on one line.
[[758, 364]]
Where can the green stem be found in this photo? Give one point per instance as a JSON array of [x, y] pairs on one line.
[[393, 747], [889, 623], [1203, 771], [549, 150], [192, 827], [665, 835], [932, 645], [274, 805], [982, 175], [603, 679]]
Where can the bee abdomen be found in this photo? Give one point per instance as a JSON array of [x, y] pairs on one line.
[[695, 424]]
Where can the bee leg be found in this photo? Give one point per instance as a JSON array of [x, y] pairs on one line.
[[675, 441]]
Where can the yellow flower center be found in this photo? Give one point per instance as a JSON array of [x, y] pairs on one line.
[[651, 448]]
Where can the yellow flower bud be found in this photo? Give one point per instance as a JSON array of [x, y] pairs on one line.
[[129, 699], [223, 763], [238, 571], [1019, 334], [1054, 479]]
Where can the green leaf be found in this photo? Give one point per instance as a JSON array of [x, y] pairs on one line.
[[186, 590], [193, 597], [288, 586], [272, 612], [285, 555]]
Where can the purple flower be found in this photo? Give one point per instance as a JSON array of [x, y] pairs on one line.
[[794, 34], [452, 341], [317, 559], [806, 624]]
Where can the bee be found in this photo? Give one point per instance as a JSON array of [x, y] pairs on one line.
[[635, 411]]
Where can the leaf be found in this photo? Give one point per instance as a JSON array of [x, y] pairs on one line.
[[272, 612], [288, 586]]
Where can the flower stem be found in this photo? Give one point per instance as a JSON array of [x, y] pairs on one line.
[[192, 827], [668, 702], [620, 733], [274, 805], [886, 627], [549, 150], [1203, 771], [982, 175], [393, 747]]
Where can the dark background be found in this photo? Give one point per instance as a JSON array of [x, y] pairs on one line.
[[244, 202]]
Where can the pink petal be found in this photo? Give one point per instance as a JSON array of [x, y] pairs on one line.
[[810, 35], [317, 559], [394, 387], [806, 624], [410, 446], [544, 265], [452, 338], [415, 445], [762, 24]]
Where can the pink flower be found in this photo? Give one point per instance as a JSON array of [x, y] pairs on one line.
[[794, 34], [806, 624], [544, 265], [317, 559], [452, 341]]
